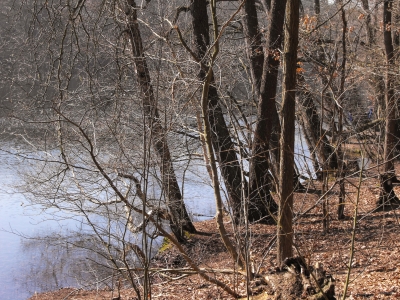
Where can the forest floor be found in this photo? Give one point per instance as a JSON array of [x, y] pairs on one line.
[[375, 272]]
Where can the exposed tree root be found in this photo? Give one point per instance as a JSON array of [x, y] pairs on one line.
[[297, 281]]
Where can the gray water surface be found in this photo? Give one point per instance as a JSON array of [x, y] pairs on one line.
[[14, 220], [28, 264]]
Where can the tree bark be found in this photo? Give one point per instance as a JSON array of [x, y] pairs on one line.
[[254, 47], [179, 218], [285, 214], [261, 203], [234, 251], [317, 7], [339, 109], [390, 128], [369, 27], [387, 197], [255, 53], [220, 135]]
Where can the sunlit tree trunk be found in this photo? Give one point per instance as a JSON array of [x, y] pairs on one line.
[[339, 109], [387, 197], [285, 214], [390, 134], [261, 202]]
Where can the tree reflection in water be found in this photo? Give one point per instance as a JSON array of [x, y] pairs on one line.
[[73, 260]]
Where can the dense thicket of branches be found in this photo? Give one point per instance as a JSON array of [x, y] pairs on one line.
[[119, 99]]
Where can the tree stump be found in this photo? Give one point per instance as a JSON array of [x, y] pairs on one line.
[[387, 197], [297, 281]]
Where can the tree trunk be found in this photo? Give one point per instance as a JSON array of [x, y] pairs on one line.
[[369, 27], [234, 251], [256, 57], [390, 133], [396, 44], [285, 214], [221, 138], [261, 203], [317, 7], [312, 125], [179, 218], [387, 197], [339, 108], [254, 47], [377, 79]]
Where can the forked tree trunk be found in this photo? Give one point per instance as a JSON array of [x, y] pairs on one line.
[[255, 54], [261, 203], [179, 218], [285, 214], [254, 48], [368, 23]]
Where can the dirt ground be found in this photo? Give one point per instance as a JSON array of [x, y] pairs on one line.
[[375, 272]]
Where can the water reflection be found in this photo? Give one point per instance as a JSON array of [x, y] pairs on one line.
[[78, 260], [43, 250], [60, 250]]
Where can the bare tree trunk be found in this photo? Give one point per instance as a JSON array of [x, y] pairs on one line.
[[221, 138], [370, 28], [261, 203], [255, 53], [376, 79], [390, 137], [179, 218], [312, 124], [317, 7], [285, 214], [254, 47], [387, 197], [234, 252], [339, 108], [396, 53], [395, 27]]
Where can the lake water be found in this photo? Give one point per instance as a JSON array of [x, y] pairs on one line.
[[13, 220], [33, 265]]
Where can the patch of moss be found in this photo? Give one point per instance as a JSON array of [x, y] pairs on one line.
[[165, 245], [187, 234]]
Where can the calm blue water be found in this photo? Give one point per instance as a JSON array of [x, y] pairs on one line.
[[31, 265]]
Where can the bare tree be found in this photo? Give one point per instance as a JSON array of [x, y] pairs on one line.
[[179, 217], [261, 203], [285, 214], [221, 137], [387, 197]]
